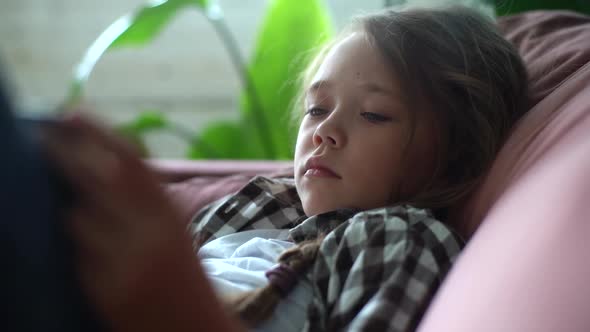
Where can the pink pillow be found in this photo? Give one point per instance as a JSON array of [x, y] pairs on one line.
[[525, 268], [556, 48], [553, 44]]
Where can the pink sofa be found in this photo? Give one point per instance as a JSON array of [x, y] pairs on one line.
[[526, 265], [526, 268]]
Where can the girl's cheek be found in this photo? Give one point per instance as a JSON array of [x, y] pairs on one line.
[[305, 135]]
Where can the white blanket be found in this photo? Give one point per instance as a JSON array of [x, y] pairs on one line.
[[237, 262]]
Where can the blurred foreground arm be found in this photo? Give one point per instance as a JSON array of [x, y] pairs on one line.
[[135, 258]]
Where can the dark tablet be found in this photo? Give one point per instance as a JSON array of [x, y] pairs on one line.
[[38, 286]]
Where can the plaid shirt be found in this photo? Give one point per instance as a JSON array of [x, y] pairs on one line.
[[376, 270]]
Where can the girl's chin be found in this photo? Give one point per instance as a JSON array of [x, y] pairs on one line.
[[316, 207], [318, 198]]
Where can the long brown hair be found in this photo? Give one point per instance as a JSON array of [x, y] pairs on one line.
[[471, 79]]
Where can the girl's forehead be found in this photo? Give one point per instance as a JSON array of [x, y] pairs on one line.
[[354, 60]]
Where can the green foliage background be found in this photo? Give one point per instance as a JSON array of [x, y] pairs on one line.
[[289, 31]]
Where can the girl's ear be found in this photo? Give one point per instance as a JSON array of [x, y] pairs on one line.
[[423, 157]]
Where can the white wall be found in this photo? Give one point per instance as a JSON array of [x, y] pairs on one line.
[[185, 72]]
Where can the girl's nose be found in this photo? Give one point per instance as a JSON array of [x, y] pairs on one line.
[[330, 133]]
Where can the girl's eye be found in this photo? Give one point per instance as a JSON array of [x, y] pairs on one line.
[[375, 118], [315, 111]]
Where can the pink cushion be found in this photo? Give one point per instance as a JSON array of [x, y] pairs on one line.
[[553, 44], [556, 49], [526, 267]]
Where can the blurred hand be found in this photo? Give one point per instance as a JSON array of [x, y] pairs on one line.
[[130, 244]]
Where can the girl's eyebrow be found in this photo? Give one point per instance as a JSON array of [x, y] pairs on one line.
[[376, 88], [317, 85], [367, 86]]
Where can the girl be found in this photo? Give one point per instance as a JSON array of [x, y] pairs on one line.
[[401, 117]]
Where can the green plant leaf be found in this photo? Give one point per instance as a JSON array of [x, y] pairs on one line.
[[291, 29], [137, 141], [135, 29], [147, 121], [221, 140], [135, 130], [147, 22]]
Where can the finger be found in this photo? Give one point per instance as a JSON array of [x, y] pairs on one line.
[[90, 260], [94, 238], [94, 129], [106, 181], [134, 172], [91, 172], [86, 166]]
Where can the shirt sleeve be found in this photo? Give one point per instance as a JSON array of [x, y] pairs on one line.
[[204, 223], [261, 203], [379, 271]]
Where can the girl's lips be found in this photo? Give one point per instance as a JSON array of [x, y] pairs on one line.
[[315, 167], [321, 172]]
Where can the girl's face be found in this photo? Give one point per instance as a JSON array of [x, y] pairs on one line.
[[352, 148]]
